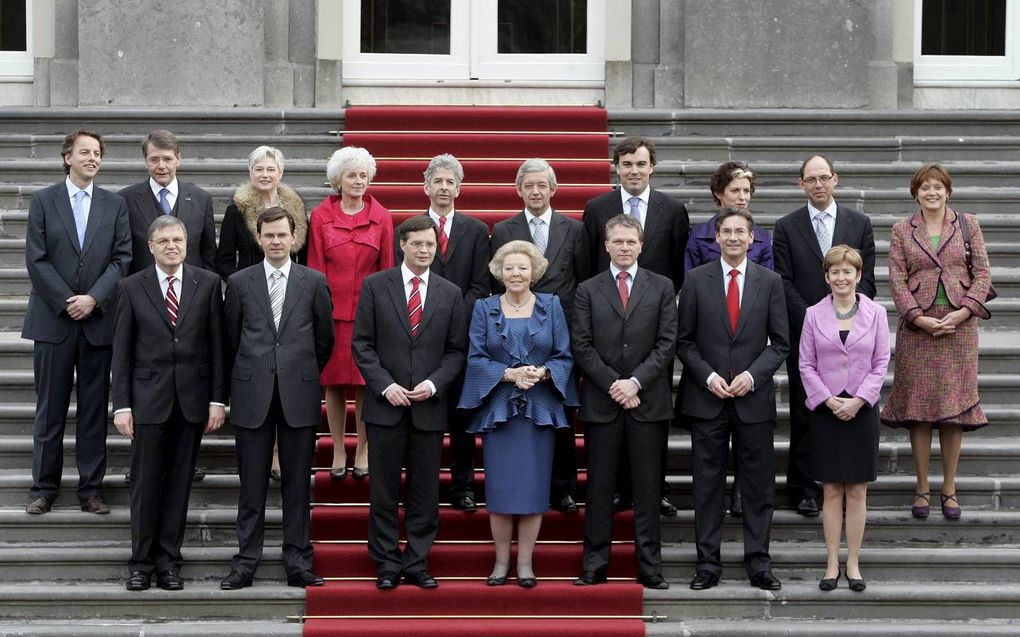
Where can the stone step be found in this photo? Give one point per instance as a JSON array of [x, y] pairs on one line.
[[165, 628], [802, 627], [217, 454]]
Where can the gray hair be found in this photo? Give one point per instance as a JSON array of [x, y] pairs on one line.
[[625, 221], [265, 152], [445, 161], [349, 158], [536, 166], [539, 263], [166, 221]]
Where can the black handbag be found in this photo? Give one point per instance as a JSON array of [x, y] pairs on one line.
[[967, 255]]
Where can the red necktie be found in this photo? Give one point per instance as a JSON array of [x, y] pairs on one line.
[[624, 292], [171, 301], [414, 306], [442, 236], [733, 299]]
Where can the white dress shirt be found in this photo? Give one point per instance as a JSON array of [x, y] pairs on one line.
[[86, 203], [172, 190], [642, 205]]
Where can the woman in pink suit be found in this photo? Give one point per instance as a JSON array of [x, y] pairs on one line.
[[350, 237], [844, 353]]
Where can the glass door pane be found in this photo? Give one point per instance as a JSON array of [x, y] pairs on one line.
[[390, 26], [966, 40], [557, 26], [16, 38]]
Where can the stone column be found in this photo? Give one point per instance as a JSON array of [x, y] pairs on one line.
[[883, 82], [669, 74], [644, 37], [63, 68]]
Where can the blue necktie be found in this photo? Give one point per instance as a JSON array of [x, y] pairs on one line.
[[634, 210], [79, 216], [163, 202], [539, 234]]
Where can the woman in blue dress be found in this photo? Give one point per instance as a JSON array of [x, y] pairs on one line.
[[518, 377]]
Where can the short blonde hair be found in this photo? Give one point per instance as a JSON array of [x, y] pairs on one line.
[[842, 253], [349, 158], [539, 263]]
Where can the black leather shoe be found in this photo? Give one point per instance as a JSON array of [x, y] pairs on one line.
[[360, 474], [304, 578], [527, 582], [667, 508], [275, 475], [198, 475], [464, 503], [169, 581], [95, 505], [808, 507], [566, 505], [856, 585], [421, 579], [139, 581], [235, 581], [703, 580], [653, 581], [38, 506], [828, 583], [766, 581], [589, 578], [387, 580], [492, 580]]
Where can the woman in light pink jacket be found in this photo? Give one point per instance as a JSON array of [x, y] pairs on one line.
[[844, 353]]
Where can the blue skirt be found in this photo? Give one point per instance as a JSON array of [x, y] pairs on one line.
[[518, 467]]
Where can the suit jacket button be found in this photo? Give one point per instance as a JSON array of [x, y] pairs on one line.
[[81, 264], [177, 340]]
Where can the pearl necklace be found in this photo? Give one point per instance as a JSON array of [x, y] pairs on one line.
[[507, 300]]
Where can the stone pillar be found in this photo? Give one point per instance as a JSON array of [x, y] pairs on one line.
[[669, 74], [882, 71], [644, 39], [63, 68], [279, 76], [302, 50]]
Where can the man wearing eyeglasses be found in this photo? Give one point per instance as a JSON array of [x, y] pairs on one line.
[[799, 244]]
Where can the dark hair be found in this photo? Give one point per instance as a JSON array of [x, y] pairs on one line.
[[72, 137], [625, 221], [727, 172], [161, 138], [825, 158], [165, 221], [930, 171], [726, 213], [270, 215], [416, 224], [629, 145]]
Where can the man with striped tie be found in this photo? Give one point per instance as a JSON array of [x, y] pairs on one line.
[[410, 335], [167, 390]]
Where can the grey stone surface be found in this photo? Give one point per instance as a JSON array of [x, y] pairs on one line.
[[328, 75], [302, 31], [644, 31], [279, 83], [64, 82], [777, 53], [669, 75], [126, 47], [905, 85], [65, 17], [619, 84], [277, 29], [644, 85], [304, 85], [42, 82]]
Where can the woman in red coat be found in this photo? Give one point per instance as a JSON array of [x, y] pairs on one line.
[[350, 237]]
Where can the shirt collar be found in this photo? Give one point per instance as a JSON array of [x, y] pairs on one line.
[[435, 216], [269, 269], [407, 275], [830, 210], [155, 187], [632, 270], [726, 267], [643, 196], [545, 216], [161, 275], [72, 189]]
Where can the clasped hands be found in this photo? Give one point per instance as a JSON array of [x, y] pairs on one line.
[[844, 408], [525, 376], [80, 306], [945, 325], [401, 397], [625, 392], [740, 386]]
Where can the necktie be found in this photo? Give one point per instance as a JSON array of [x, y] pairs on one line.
[[414, 306], [164, 203], [276, 297], [540, 234], [621, 279], [171, 301], [822, 232], [733, 300], [635, 211], [79, 216], [443, 241]]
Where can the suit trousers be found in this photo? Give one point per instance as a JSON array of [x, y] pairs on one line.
[[254, 459], [462, 447], [55, 365], [643, 442], [163, 459], [564, 469], [798, 473], [753, 446], [388, 447]]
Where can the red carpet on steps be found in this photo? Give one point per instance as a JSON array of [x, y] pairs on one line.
[[491, 142]]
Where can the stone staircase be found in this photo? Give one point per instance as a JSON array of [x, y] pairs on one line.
[[62, 573]]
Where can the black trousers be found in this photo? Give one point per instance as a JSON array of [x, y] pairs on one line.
[[163, 459], [254, 459], [753, 445], [564, 469], [462, 447], [798, 481], [55, 365]]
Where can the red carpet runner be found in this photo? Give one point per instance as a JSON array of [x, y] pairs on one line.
[[491, 142]]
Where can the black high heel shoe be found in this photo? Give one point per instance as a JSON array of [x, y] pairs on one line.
[[492, 580], [856, 585], [829, 583]]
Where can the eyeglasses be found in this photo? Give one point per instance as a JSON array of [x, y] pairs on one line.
[[740, 233], [811, 181], [418, 245]]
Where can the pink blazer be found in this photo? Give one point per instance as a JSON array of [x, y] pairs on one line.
[[828, 367]]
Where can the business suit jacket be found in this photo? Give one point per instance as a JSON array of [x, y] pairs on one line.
[[829, 367], [386, 353], [666, 228], [193, 207], [567, 251], [466, 263], [259, 355], [155, 363], [915, 269], [610, 344], [706, 343], [59, 268], [799, 259]]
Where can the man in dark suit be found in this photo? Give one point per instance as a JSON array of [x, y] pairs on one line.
[[463, 259], [800, 242], [77, 247], [564, 243], [624, 340], [732, 338], [279, 334], [163, 194], [666, 226], [409, 342], [167, 389]]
